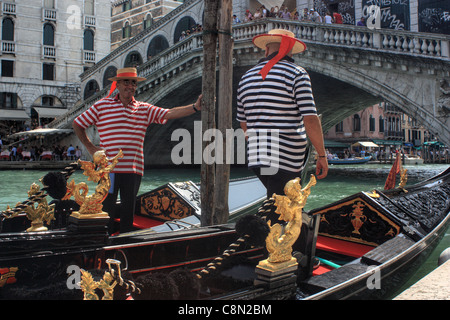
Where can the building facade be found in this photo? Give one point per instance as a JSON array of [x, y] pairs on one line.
[[45, 46]]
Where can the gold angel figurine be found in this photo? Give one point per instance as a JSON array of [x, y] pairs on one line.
[[98, 171], [280, 240]]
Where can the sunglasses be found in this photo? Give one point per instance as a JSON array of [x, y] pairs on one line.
[[128, 82]]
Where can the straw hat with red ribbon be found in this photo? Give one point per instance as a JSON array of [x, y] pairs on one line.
[[288, 44], [124, 74]]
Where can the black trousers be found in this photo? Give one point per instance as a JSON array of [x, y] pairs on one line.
[[275, 183], [128, 185]]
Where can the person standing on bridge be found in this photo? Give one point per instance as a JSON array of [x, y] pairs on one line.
[[276, 110], [122, 123]]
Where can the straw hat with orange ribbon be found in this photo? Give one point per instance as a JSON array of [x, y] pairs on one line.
[[288, 44], [124, 74]]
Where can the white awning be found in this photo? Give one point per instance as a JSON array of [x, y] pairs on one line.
[[365, 144], [41, 132], [49, 112], [13, 114]]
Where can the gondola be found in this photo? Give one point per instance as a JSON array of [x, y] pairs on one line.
[[364, 246]]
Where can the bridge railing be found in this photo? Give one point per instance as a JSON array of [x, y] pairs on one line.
[[401, 42], [398, 41]]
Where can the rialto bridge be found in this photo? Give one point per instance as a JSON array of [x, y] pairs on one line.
[[351, 68]]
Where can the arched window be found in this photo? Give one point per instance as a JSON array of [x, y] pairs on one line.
[[88, 40], [49, 34], [7, 29], [158, 44], [148, 21], [356, 123], [126, 31]]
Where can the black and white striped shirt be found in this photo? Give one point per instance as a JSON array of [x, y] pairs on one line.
[[273, 110]]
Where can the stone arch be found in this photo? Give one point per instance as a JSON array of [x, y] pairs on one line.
[[110, 72], [90, 89], [133, 59], [157, 44], [183, 24], [387, 89]]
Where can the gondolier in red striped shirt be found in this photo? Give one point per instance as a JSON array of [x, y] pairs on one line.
[[122, 122]]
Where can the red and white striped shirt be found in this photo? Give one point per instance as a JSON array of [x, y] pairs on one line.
[[123, 128]]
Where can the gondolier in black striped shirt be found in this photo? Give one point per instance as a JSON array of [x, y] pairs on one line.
[[276, 110]]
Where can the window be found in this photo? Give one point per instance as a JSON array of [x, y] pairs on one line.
[[126, 6], [381, 124], [49, 4], [48, 71], [49, 35], [89, 7], [126, 31], [339, 127], [148, 21], [88, 40], [7, 68], [7, 29], [8, 100], [47, 101], [356, 123], [371, 123]]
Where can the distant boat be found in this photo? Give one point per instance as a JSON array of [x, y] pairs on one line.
[[356, 160], [413, 160]]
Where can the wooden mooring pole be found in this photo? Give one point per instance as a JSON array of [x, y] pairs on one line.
[[215, 170], [208, 109], [224, 120]]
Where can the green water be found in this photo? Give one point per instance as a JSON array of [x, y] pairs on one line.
[[342, 181]]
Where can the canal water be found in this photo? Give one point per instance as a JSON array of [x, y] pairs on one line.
[[342, 180]]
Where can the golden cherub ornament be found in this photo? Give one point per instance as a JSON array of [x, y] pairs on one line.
[[280, 240], [98, 171]]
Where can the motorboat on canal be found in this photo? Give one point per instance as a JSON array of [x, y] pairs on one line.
[[363, 246]]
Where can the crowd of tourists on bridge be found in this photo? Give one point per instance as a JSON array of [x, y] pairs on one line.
[[283, 12], [191, 31]]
